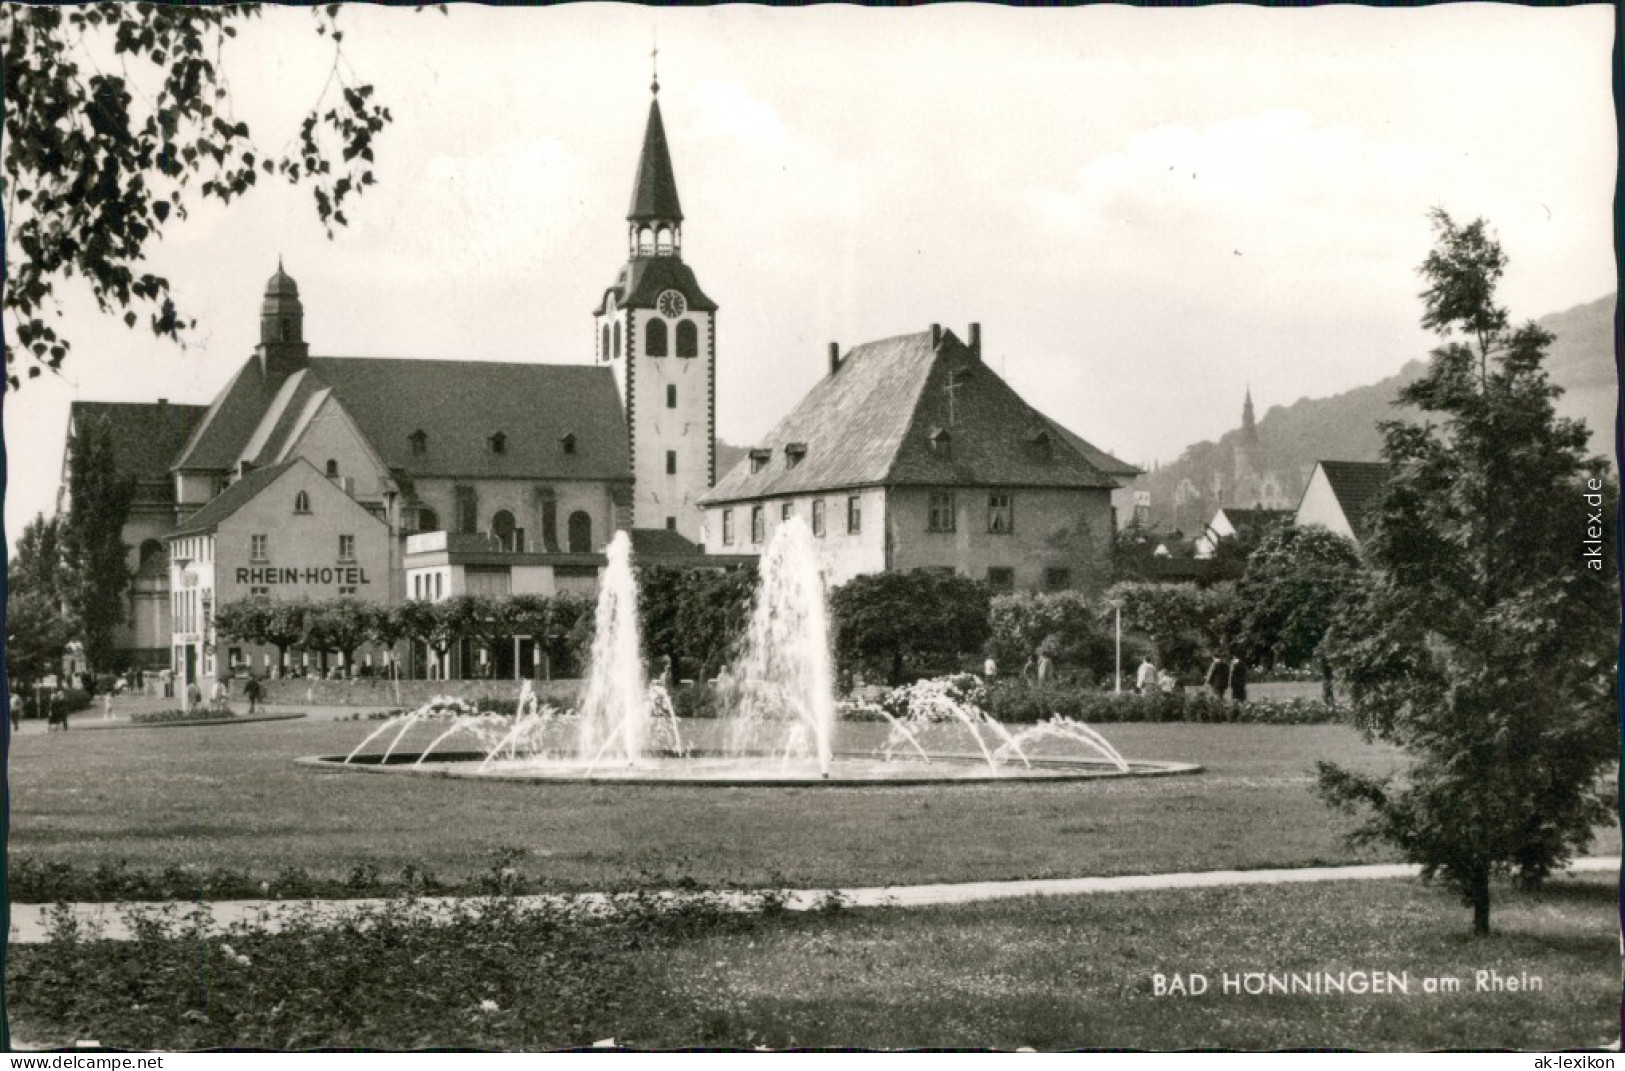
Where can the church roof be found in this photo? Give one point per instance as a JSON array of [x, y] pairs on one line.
[[146, 435], [458, 405], [643, 278], [873, 421], [654, 192], [233, 498], [1357, 485]]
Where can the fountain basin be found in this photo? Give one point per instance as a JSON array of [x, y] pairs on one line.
[[714, 769]]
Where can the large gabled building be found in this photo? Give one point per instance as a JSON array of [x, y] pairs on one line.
[[912, 453]]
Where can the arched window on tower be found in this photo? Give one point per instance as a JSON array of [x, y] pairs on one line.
[[580, 533], [663, 241], [654, 338], [646, 241], [604, 351], [615, 350], [688, 339]]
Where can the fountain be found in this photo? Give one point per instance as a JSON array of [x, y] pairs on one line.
[[779, 715]]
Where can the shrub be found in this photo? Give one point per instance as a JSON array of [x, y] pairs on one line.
[[200, 712], [1016, 702]]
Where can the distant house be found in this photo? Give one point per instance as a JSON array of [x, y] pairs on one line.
[[1249, 524], [1341, 495], [913, 454]]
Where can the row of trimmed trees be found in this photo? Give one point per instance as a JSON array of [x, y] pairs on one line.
[[692, 617]]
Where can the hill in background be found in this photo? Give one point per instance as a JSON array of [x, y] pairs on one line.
[[1290, 439]]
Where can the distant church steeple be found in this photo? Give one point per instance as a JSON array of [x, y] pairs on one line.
[[282, 349], [1249, 427]]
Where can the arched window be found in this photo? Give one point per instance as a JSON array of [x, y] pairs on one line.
[[688, 339], [654, 338], [152, 556], [604, 351], [663, 241], [499, 443], [419, 441], [646, 241], [580, 533], [301, 502], [503, 528], [332, 469], [615, 351], [428, 520]]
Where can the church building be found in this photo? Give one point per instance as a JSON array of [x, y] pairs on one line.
[[317, 477]]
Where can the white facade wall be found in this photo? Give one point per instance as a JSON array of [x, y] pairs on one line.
[[1319, 505]]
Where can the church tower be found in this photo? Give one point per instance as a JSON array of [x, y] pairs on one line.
[[657, 329], [1245, 489], [282, 349]]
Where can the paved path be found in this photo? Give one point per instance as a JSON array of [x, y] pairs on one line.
[[29, 922]]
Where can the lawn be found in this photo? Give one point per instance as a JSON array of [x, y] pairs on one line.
[[1071, 972], [232, 797]]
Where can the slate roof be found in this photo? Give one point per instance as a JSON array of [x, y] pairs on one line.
[[1357, 486], [458, 405], [872, 421], [1257, 521], [233, 498], [654, 191], [146, 435], [1097, 457], [662, 543], [643, 278]]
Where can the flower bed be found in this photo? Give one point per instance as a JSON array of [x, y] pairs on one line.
[[197, 713]]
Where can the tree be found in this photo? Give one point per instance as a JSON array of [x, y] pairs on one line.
[[1171, 616], [97, 573], [1484, 640], [714, 612], [38, 564], [119, 116], [894, 618], [37, 631], [341, 625], [285, 627], [1293, 589], [1067, 625]]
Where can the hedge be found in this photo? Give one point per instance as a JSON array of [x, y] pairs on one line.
[[1018, 702]]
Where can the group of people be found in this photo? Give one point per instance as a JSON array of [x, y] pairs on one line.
[[1228, 677], [1038, 668], [54, 704], [1148, 679]]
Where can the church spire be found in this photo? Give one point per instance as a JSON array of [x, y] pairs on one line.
[[654, 193], [1249, 427]]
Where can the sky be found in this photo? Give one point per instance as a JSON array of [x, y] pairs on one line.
[[1148, 211]]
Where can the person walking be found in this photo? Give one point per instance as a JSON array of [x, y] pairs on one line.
[[1044, 667], [194, 695], [990, 669], [251, 691], [59, 710], [1218, 677], [1145, 679], [1238, 680], [16, 711]]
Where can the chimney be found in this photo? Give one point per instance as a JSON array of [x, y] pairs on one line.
[[834, 357], [936, 335], [976, 340]]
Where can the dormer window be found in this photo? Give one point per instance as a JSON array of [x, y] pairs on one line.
[[568, 443], [942, 443], [1040, 447], [332, 469], [419, 442], [499, 443], [794, 453], [759, 459]]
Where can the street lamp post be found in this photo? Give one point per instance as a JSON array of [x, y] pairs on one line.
[[1117, 615]]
